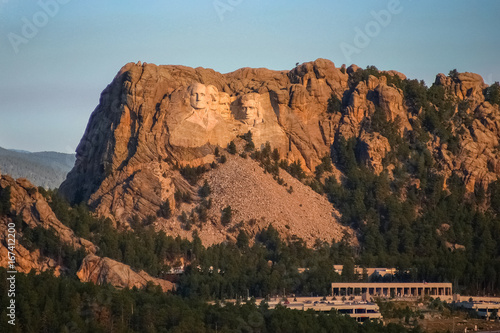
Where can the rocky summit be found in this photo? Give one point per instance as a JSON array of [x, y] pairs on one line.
[[153, 121]]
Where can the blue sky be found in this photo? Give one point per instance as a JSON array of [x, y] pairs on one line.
[[51, 77]]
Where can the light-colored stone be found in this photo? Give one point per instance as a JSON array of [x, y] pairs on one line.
[[102, 271], [28, 203], [373, 148], [152, 118]]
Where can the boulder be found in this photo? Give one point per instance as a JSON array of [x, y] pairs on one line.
[[102, 271]]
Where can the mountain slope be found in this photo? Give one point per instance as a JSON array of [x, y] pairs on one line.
[[257, 200], [43, 243], [155, 124], [46, 169]]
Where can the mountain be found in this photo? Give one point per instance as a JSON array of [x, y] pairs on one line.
[[258, 182], [46, 169], [29, 206], [156, 124], [44, 243]]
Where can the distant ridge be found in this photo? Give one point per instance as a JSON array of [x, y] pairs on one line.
[[47, 169]]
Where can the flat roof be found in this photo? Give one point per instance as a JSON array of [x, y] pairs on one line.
[[391, 285]]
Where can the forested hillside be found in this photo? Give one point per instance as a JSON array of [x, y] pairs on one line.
[[46, 169], [46, 302]]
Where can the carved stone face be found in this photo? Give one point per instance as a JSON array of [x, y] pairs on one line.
[[198, 96], [213, 97], [225, 106], [250, 110]]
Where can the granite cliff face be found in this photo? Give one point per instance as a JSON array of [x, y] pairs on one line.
[[27, 203], [152, 118], [105, 270], [476, 123], [146, 117], [34, 210]]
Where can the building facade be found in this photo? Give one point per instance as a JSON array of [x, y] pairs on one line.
[[392, 289]]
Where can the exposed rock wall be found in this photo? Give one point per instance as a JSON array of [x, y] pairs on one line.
[[27, 203], [478, 159], [105, 270], [151, 118]]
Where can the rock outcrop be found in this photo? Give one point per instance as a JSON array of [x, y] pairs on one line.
[[105, 270], [373, 147], [34, 210], [152, 119], [478, 158], [25, 260], [463, 85], [27, 203]]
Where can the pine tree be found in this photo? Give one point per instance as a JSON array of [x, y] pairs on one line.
[[231, 148], [227, 215]]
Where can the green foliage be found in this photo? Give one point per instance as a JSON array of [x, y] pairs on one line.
[[231, 148], [4, 201], [415, 94], [324, 166], [275, 155], [269, 266], [249, 146], [242, 240], [296, 171], [165, 211], [395, 310], [268, 160], [49, 244], [344, 154], [143, 248], [192, 174], [223, 159], [202, 209], [334, 105], [437, 117], [59, 304], [247, 136], [494, 191], [316, 185], [205, 190], [181, 196], [400, 230], [436, 95], [227, 215], [493, 93], [364, 74], [453, 74], [388, 129]]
